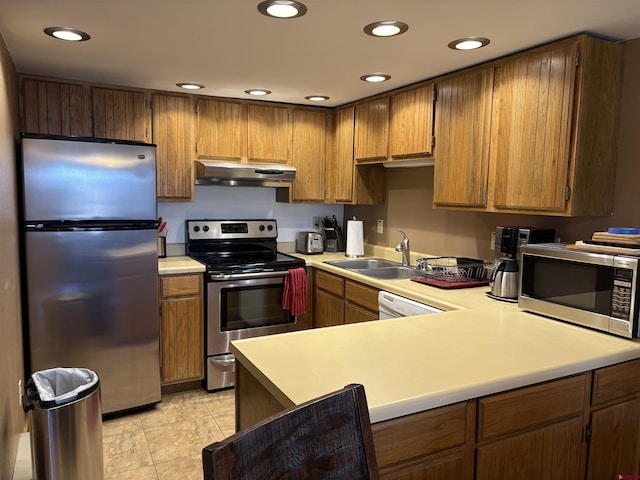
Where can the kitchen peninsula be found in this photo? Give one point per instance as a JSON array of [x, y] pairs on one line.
[[477, 390]]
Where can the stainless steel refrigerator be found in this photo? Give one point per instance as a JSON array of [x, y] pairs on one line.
[[90, 261]]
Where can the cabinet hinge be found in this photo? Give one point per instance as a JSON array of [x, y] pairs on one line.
[[577, 59], [196, 147], [435, 95], [567, 193], [587, 433], [433, 142], [147, 104], [196, 108]]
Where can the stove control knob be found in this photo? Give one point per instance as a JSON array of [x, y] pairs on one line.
[[205, 228], [261, 228], [270, 227], [196, 228]]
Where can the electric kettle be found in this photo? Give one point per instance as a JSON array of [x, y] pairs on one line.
[[504, 279]]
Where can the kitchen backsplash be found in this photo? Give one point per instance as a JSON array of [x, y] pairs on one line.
[[243, 203]]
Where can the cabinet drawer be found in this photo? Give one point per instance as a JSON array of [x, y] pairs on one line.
[[362, 295], [424, 433], [611, 383], [330, 283], [174, 286], [530, 406]]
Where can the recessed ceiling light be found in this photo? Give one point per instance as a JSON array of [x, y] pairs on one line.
[[387, 28], [375, 77], [69, 34], [282, 8], [258, 91], [469, 43], [317, 98], [190, 86]]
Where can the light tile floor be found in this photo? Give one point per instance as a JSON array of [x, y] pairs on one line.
[[165, 442]]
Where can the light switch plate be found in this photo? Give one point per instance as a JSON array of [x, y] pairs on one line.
[[380, 227]]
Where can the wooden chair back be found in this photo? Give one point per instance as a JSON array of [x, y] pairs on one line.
[[326, 438]]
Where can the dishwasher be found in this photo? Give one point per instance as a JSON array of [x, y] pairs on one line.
[[391, 305]]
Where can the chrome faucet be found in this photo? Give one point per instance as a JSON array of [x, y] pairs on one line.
[[404, 248]]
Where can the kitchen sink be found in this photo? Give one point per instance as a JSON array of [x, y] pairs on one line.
[[364, 263], [390, 273], [377, 268]]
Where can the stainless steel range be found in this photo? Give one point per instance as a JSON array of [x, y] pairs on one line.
[[245, 284]]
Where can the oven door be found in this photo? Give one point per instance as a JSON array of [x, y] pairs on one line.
[[245, 308]]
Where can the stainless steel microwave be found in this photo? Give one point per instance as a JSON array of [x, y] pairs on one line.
[[593, 290]]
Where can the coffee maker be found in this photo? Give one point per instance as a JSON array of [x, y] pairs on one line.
[[505, 275]]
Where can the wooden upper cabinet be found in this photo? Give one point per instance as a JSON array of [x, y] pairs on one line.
[[555, 128], [411, 123], [221, 132], [121, 114], [55, 108], [463, 128], [342, 165], [173, 135], [361, 184], [269, 134], [372, 131], [533, 101], [310, 154]]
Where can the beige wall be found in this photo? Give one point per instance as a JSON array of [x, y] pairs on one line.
[[11, 365], [440, 232]]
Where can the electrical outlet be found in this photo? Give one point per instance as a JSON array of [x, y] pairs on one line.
[[493, 241], [20, 392], [317, 223], [380, 227]]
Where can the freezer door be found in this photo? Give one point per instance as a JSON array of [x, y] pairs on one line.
[[82, 180], [93, 302]]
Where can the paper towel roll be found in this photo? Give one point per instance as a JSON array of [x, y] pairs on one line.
[[355, 242]]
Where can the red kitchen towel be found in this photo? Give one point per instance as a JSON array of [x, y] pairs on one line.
[[294, 297]]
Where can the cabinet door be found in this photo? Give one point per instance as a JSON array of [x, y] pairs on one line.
[[550, 453], [356, 314], [530, 139], [343, 168], [221, 132], [328, 309], [463, 127], [614, 448], [121, 114], [411, 123], [309, 155], [269, 134], [55, 108], [372, 131], [173, 134], [182, 339]]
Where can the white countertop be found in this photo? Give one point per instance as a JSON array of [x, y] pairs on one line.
[[480, 346], [179, 264]]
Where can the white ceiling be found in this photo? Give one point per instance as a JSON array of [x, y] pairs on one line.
[[229, 46]]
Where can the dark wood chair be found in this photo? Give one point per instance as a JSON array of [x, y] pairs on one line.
[[326, 438]]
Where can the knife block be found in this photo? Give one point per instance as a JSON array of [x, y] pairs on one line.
[[332, 242]]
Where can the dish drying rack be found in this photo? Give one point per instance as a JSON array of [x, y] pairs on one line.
[[453, 270]]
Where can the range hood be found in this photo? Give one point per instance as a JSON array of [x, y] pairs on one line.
[[244, 174]]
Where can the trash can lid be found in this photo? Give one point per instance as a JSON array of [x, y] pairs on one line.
[[63, 385]]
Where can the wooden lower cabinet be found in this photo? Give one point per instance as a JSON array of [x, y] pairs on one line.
[[614, 425], [554, 430], [549, 453], [181, 328], [338, 300], [431, 445]]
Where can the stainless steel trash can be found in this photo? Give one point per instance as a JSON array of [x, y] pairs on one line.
[[65, 422]]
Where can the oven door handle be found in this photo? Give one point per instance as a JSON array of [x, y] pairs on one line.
[[246, 276]]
